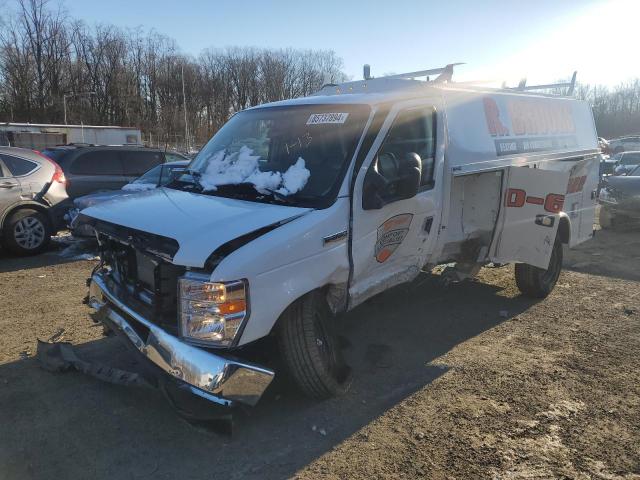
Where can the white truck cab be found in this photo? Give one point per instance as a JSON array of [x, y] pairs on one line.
[[301, 209]]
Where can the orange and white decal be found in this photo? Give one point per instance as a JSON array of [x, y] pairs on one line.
[[391, 234]]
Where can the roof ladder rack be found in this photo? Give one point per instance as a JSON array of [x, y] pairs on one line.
[[444, 73], [571, 85]]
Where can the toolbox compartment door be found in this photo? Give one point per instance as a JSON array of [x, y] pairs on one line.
[[532, 200]]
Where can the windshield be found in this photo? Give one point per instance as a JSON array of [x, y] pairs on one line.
[[151, 177], [296, 150], [174, 157], [158, 176]]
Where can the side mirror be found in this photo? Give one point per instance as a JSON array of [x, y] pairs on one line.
[[379, 190]]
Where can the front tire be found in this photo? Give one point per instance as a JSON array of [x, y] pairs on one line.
[[311, 350], [537, 282], [27, 232]]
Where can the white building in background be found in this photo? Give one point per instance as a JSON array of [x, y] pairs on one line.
[[40, 135]]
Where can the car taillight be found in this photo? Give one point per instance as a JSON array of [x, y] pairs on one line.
[[58, 174]]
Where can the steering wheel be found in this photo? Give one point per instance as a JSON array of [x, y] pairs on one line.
[[388, 166]]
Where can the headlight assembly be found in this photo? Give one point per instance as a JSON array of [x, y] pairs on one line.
[[211, 313]]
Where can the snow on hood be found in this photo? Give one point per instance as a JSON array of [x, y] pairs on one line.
[[138, 187], [242, 166], [199, 223]]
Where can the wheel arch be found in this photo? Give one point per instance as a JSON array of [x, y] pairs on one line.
[[326, 292], [23, 206], [564, 228]]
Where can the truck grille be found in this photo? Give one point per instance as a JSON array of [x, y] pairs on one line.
[[149, 282]]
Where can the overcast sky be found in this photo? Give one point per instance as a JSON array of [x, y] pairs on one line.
[[543, 39]]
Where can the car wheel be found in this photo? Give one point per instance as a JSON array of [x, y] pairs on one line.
[[537, 282], [605, 219], [27, 232], [311, 350]]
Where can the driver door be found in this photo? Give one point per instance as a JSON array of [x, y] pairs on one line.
[[391, 240]]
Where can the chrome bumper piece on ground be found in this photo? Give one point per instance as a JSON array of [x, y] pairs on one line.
[[208, 375]]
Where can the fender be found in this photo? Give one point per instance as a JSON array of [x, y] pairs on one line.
[[288, 262]]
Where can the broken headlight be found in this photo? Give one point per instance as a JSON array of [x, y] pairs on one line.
[[211, 313]]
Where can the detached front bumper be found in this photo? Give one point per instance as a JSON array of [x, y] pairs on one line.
[[57, 213], [208, 375]]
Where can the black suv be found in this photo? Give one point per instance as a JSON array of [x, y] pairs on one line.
[[90, 169]]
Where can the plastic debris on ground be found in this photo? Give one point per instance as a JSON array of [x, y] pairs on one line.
[[61, 357]]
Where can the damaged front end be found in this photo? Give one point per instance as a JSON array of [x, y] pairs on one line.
[[135, 293]]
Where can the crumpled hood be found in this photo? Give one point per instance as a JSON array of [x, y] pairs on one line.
[[93, 198], [199, 223]]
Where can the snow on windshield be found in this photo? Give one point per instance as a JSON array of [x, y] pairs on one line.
[[242, 166]]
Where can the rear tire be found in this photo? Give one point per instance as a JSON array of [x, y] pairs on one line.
[[311, 350], [537, 282], [27, 232]]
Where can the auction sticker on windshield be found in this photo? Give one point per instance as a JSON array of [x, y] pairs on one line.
[[320, 118]]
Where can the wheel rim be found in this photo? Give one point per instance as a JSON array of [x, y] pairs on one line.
[[29, 233]]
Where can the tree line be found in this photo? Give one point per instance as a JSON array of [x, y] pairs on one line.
[[112, 76], [616, 110]]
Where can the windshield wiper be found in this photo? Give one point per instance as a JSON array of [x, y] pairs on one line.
[[279, 196], [191, 184]]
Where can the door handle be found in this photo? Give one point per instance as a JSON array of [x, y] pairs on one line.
[[7, 185], [427, 225]]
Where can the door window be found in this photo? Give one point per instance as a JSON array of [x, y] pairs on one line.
[[101, 162], [136, 163], [413, 131], [18, 166]]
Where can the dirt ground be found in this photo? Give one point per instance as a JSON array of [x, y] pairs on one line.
[[472, 381]]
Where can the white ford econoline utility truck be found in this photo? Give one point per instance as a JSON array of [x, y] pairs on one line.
[[298, 210]]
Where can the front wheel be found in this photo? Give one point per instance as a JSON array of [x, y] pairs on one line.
[[539, 282], [311, 350]]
